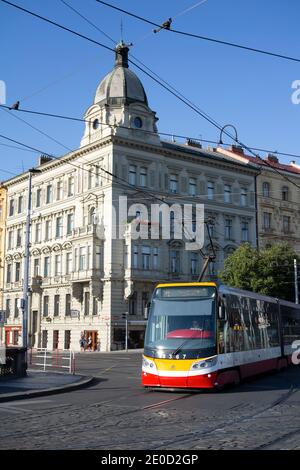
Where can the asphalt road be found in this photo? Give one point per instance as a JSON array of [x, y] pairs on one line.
[[117, 413]]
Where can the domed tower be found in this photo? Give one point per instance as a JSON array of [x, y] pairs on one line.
[[120, 106]]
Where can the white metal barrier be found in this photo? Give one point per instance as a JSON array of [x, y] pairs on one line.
[[58, 359]]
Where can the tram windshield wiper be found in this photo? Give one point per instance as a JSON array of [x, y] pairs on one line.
[[180, 347]]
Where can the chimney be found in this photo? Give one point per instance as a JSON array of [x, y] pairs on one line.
[[44, 159], [237, 149], [271, 158]]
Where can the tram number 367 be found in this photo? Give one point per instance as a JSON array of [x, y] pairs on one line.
[[170, 356]]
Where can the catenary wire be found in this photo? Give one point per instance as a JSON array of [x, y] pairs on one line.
[[197, 36], [156, 80]]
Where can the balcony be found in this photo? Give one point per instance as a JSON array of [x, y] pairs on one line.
[[89, 229]]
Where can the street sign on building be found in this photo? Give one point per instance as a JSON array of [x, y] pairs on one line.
[[75, 313]]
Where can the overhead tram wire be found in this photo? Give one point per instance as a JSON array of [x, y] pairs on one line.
[[37, 130], [204, 38], [174, 197], [193, 107], [167, 134]]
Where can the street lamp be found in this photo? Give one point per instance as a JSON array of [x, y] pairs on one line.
[[24, 306], [125, 317]]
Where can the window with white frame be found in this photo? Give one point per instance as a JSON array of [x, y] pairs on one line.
[[10, 239], [244, 196], [70, 224], [11, 207], [17, 271], [68, 263], [38, 197], [266, 189], [49, 194], [266, 220], [155, 258], [82, 258], [132, 175], [20, 204], [194, 263], [173, 184], [57, 265], [46, 266], [286, 220], [245, 231], [38, 232], [192, 186], [135, 256], [71, 186], [19, 237], [143, 176], [228, 229], [48, 230], [46, 305], [59, 227], [98, 257], [59, 190], [36, 267], [175, 261], [146, 257], [210, 190], [227, 193], [8, 273]]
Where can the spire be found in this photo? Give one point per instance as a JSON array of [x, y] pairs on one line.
[[122, 54]]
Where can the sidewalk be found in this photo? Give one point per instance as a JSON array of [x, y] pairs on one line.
[[37, 384]]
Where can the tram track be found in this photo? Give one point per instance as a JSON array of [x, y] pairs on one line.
[[74, 419], [221, 427]]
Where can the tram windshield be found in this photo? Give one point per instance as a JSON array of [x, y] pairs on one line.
[[182, 322]]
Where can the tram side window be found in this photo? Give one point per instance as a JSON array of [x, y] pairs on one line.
[[270, 322], [290, 324], [236, 327]]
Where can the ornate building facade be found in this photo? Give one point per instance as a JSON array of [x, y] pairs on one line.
[[278, 199], [83, 277], [2, 244]]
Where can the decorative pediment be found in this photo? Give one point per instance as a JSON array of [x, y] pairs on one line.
[[56, 247], [67, 246], [46, 249], [17, 256], [36, 252]]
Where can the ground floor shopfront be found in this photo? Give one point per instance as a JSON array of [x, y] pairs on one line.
[[13, 335]]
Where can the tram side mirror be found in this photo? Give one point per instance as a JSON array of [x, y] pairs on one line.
[[222, 311], [147, 310]]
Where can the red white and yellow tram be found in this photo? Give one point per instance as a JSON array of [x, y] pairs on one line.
[[203, 336]]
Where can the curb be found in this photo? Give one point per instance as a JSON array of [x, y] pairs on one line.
[[47, 391]]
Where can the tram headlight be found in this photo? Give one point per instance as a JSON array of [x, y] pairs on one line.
[[148, 365], [205, 363]]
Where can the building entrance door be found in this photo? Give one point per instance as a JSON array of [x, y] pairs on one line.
[[7, 337], [91, 340]]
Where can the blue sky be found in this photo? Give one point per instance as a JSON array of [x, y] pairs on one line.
[[251, 91]]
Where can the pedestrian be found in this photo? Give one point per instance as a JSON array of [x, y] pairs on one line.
[[82, 342], [89, 343]]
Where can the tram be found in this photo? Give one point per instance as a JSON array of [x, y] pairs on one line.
[[200, 335]]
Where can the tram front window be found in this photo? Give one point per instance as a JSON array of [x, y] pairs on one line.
[[185, 327]]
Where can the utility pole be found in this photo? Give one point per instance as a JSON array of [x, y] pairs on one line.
[[296, 282], [25, 303], [125, 317]]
